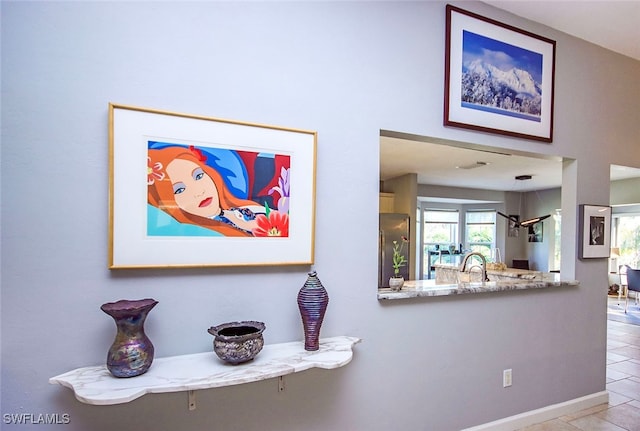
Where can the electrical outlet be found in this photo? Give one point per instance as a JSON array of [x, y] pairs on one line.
[[506, 378]]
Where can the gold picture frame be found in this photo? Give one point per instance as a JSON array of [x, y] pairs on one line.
[[195, 191]]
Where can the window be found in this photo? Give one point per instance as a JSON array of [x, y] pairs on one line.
[[557, 230], [626, 236], [440, 228], [481, 231]]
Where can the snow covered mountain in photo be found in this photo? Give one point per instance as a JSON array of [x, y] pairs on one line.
[[512, 90]]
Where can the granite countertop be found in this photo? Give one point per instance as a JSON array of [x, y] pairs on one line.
[[507, 272], [428, 288]]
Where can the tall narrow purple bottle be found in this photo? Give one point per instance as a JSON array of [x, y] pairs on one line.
[[312, 302]]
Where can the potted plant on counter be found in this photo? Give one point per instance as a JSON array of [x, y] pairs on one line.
[[399, 260]]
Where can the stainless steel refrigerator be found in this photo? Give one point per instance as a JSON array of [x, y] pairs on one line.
[[392, 228]]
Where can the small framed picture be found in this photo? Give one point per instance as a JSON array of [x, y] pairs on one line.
[[535, 232], [514, 230], [595, 231]]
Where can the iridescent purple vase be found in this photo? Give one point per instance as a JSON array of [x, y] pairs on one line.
[[312, 302], [131, 353]]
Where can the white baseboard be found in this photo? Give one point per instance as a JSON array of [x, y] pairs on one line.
[[544, 414]]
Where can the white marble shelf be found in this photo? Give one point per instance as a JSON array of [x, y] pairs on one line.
[[95, 385], [428, 288]]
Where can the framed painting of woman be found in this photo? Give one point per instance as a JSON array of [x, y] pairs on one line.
[[216, 192]]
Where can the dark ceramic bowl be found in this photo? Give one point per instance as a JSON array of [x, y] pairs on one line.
[[237, 342]]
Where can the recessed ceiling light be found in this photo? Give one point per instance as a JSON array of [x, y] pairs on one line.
[[473, 165]]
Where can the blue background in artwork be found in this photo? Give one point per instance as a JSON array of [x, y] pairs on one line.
[[478, 46], [159, 223]]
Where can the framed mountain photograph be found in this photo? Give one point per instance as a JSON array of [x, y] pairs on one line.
[[498, 78]]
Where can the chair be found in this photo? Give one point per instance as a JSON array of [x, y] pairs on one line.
[[520, 263], [622, 290], [633, 285]]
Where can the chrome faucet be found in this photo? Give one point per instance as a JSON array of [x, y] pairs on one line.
[[463, 266]]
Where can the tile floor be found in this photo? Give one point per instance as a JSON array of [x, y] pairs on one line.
[[623, 383]]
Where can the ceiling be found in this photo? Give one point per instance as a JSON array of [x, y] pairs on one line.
[[610, 24], [457, 164]]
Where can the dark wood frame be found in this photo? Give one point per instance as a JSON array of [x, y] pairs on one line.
[[513, 230], [493, 122], [535, 232]]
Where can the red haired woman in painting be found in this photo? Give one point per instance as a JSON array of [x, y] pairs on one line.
[[181, 184]]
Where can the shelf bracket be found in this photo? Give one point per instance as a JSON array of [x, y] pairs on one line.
[[280, 384], [192, 400]]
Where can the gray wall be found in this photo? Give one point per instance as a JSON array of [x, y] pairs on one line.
[[625, 193], [540, 203], [347, 70]]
